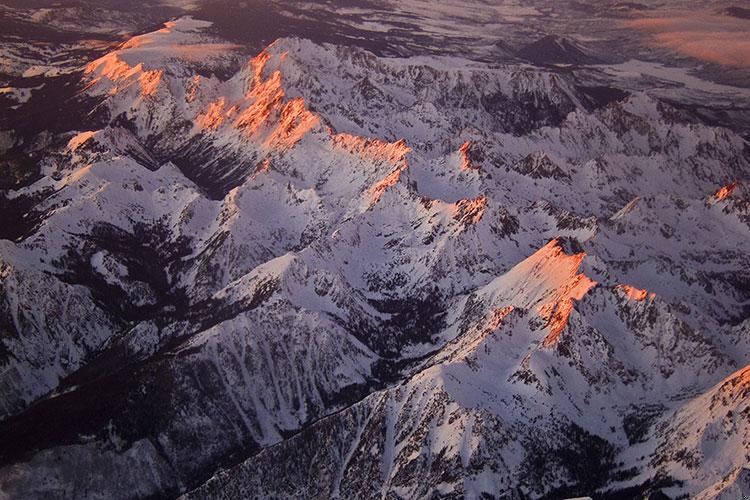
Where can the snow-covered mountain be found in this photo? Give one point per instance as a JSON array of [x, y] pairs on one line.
[[316, 272]]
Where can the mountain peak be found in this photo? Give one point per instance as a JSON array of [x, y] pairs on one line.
[[543, 280], [553, 49], [635, 294], [146, 57]]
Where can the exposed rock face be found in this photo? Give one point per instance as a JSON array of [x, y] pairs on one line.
[[338, 275]]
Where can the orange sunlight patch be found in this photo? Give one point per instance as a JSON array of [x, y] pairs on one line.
[[374, 149], [214, 115], [557, 321], [389, 181], [150, 81], [465, 152], [285, 123], [470, 211], [634, 293], [295, 121], [558, 313], [110, 66], [725, 191]]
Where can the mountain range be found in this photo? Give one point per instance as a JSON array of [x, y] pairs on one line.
[[319, 271]]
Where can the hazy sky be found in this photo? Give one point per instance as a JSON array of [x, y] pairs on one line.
[[705, 35]]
